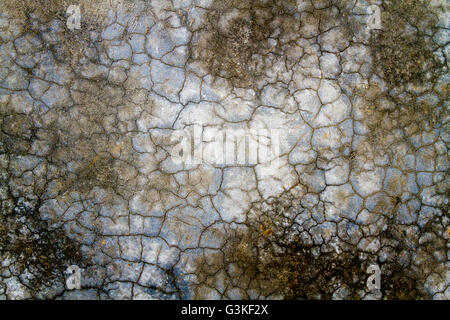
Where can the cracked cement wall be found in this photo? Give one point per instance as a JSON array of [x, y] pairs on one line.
[[87, 175]]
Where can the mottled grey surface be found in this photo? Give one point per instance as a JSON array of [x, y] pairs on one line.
[[86, 146]]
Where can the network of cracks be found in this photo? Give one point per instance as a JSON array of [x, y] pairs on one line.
[[89, 118]]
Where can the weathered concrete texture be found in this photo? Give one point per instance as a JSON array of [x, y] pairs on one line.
[[86, 146]]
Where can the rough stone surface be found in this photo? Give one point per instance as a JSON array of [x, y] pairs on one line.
[[87, 148]]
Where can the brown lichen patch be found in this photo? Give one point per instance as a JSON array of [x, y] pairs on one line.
[[274, 267], [47, 10], [342, 197], [161, 182], [34, 248], [99, 173], [34, 16], [403, 51], [394, 118], [235, 40], [400, 286], [413, 259], [278, 5], [411, 98], [385, 204], [268, 258], [242, 40], [396, 185]]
